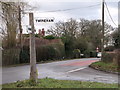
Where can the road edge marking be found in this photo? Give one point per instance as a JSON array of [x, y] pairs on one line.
[[76, 70]]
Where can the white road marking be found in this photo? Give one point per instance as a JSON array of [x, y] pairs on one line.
[[76, 70]]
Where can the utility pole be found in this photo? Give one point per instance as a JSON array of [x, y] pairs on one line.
[[20, 26], [102, 48], [33, 68]]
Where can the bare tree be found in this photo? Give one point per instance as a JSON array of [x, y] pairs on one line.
[[68, 28], [89, 30], [10, 22], [68, 31]]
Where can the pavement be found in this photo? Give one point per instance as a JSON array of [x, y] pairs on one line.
[[76, 69]]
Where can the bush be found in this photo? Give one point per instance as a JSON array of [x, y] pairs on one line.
[[107, 57], [24, 55], [36, 35], [93, 54], [109, 48], [87, 53], [50, 52], [76, 53], [49, 37], [47, 52], [116, 59], [10, 56]]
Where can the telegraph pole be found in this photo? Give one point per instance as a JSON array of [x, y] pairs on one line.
[[20, 26], [102, 48], [33, 69]]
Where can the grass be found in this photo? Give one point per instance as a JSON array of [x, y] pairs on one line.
[[108, 67], [53, 83]]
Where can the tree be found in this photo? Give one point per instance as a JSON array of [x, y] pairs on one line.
[[92, 31], [10, 22], [116, 37], [83, 35], [67, 31], [11, 17], [60, 29]]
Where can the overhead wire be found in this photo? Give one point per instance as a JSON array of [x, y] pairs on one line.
[[70, 9], [110, 14]]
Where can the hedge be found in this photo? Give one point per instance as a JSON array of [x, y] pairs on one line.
[[10, 56], [50, 52], [108, 57], [45, 52]]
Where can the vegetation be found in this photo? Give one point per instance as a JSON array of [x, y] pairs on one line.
[[10, 18], [49, 37], [110, 48], [110, 62], [53, 83], [44, 52], [108, 67], [77, 37], [50, 52], [116, 37], [84, 35], [108, 57], [10, 56], [76, 53]]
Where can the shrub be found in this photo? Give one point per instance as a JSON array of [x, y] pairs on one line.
[[107, 57], [50, 51], [109, 48], [24, 55], [87, 53], [116, 59], [36, 35], [49, 37], [76, 53], [93, 54], [10, 56]]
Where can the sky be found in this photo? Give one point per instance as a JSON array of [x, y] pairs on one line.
[[87, 9]]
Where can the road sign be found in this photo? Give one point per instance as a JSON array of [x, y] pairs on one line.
[[44, 19]]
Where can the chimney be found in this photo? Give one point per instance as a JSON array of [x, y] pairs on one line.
[[43, 32]]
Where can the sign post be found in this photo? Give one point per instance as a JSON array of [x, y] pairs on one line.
[[33, 69]]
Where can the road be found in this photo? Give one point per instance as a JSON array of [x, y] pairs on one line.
[[76, 69]]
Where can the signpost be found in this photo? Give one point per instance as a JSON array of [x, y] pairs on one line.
[[33, 69]]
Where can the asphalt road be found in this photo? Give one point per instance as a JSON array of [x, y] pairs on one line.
[[76, 69]]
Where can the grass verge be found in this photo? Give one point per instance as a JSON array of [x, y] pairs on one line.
[[107, 67], [53, 83]]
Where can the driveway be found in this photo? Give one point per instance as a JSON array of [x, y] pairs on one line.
[[76, 69]]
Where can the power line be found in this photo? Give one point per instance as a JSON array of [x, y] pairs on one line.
[[110, 14], [71, 9]]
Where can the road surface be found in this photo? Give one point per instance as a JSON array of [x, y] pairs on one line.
[[76, 69]]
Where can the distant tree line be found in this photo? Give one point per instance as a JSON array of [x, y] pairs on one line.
[[84, 35]]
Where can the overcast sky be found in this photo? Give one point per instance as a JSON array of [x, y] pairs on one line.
[[89, 9]]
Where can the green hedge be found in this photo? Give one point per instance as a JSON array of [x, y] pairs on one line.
[[107, 57], [43, 53], [25, 55], [76, 53], [93, 54], [116, 59], [50, 52], [109, 48], [10, 56], [49, 37], [87, 53]]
